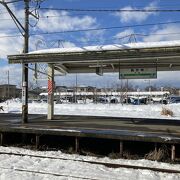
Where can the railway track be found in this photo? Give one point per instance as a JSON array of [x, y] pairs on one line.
[[46, 173], [109, 165]]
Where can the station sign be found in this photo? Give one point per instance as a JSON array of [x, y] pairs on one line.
[[138, 73], [24, 85]]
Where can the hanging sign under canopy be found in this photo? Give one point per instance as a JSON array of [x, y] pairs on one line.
[[138, 73]]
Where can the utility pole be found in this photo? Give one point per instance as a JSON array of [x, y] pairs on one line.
[[25, 66], [24, 30]]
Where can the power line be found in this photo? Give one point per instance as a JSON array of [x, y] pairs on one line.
[[136, 6], [3, 12], [138, 34], [112, 10], [43, 17], [108, 40], [15, 1], [156, 34], [47, 17], [118, 38], [96, 29], [11, 36], [108, 28], [62, 15]]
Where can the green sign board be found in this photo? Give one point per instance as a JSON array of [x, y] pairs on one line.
[[138, 73]]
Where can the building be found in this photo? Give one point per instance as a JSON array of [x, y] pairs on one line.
[[7, 91]]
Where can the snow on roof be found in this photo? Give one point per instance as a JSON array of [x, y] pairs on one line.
[[145, 93], [140, 45]]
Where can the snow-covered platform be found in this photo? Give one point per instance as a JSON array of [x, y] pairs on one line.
[[123, 129]]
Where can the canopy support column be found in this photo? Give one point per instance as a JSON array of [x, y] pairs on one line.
[[50, 91]]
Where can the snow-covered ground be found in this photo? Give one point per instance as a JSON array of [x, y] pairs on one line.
[[11, 166], [69, 169], [115, 110]]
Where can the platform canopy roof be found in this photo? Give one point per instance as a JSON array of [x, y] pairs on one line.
[[164, 55]]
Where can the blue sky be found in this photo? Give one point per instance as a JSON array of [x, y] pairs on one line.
[[62, 21]]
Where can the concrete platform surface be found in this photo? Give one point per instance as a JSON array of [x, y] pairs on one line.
[[135, 129]]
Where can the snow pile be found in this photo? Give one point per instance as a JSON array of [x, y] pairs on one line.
[[114, 110], [70, 169], [110, 47]]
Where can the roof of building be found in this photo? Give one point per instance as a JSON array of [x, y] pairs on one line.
[[7, 85], [164, 56], [110, 47]]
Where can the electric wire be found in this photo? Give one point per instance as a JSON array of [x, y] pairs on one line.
[[136, 34], [111, 10], [105, 28], [15, 1]]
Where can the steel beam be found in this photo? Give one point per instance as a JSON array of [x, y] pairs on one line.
[[61, 68]]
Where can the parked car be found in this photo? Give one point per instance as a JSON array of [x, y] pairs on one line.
[[159, 100], [114, 100], [101, 100], [138, 100], [174, 99], [127, 100]]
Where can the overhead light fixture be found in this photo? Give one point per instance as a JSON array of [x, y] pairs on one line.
[[97, 65], [99, 71]]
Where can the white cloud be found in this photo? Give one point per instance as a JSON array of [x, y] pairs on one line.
[[168, 78], [62, 21], [14, 74], [124, 36], [165, 33], [7, 23], [136, 16], [9, 45], [14, 45], [39, 42], [36, 43], [68, 44], [94, 37]]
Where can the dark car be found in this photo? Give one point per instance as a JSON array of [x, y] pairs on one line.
[[174, 99], [101, 100]]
